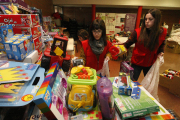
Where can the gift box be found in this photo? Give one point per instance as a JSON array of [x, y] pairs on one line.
[[34, 31], [6, 32], [20, 20]]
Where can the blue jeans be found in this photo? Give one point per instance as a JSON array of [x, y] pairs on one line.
[[137, 71]]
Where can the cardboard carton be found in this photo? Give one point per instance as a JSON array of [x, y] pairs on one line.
[[174, 86], [172, 46]]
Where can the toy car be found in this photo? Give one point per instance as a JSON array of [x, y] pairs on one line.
[[50, 57]]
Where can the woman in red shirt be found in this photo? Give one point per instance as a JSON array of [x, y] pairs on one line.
[[149, 43], [96, 49]]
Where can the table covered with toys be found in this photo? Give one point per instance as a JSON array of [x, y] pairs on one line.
[[61, 90]]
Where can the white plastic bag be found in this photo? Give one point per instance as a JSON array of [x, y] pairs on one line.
[[151, 80], [105, 69]]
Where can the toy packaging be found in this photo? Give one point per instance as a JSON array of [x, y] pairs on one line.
[[20, 20], [28, 43], [8, 48], [133, 106], [38, 44], [47, 101], [18, 87], [34, 31], [18, 50], [126, 68], [6, 32]]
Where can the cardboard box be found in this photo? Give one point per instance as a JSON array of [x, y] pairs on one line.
[[6, 32], [172, 46], [19, 50], [38, 44], [174, 86], [28, 44], [20, 20], [164, 81], [34, 31]]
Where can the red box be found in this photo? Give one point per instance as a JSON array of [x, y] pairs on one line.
[[38, 44], [34, 31], [21, 20]]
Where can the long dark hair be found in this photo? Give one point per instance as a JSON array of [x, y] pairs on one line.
[[98, 24], [151, 39]]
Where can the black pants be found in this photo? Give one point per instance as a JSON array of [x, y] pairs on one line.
[[137, 71]]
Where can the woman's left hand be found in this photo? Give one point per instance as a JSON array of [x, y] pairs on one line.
[[160, 54], [107, 58]]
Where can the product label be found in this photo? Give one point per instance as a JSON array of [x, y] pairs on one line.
[[21, 46], [7, 47], [27, 97], [14, 48]]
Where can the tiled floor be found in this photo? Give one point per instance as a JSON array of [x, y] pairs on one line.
[[167, 99]]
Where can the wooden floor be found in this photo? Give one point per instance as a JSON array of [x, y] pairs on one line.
[[167, 99]]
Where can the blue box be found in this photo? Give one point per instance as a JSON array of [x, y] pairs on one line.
[[29, 44], [10, 55], [8, 45], [20, 35], [6, 32], [18, 50]]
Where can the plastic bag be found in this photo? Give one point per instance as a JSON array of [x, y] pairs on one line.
[[151, 80], [105, 69]]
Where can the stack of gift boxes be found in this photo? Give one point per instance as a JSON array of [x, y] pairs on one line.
[[27, 30]]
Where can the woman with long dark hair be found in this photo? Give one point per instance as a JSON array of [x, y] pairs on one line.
[[96, 49], [149, 43]]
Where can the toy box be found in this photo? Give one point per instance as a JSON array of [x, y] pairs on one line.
[[128, 107], [20, 20], [34, 31], [28, 43], [126, 68], [123, 84], [20, 86], [19, 50], [38, 44], [8, 48], [51, 107], [6, 32]]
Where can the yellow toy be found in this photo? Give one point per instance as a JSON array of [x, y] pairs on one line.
[[13, 8], [9, 88], [81, 98]]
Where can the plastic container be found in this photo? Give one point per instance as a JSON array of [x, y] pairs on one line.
[[105, 93]]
